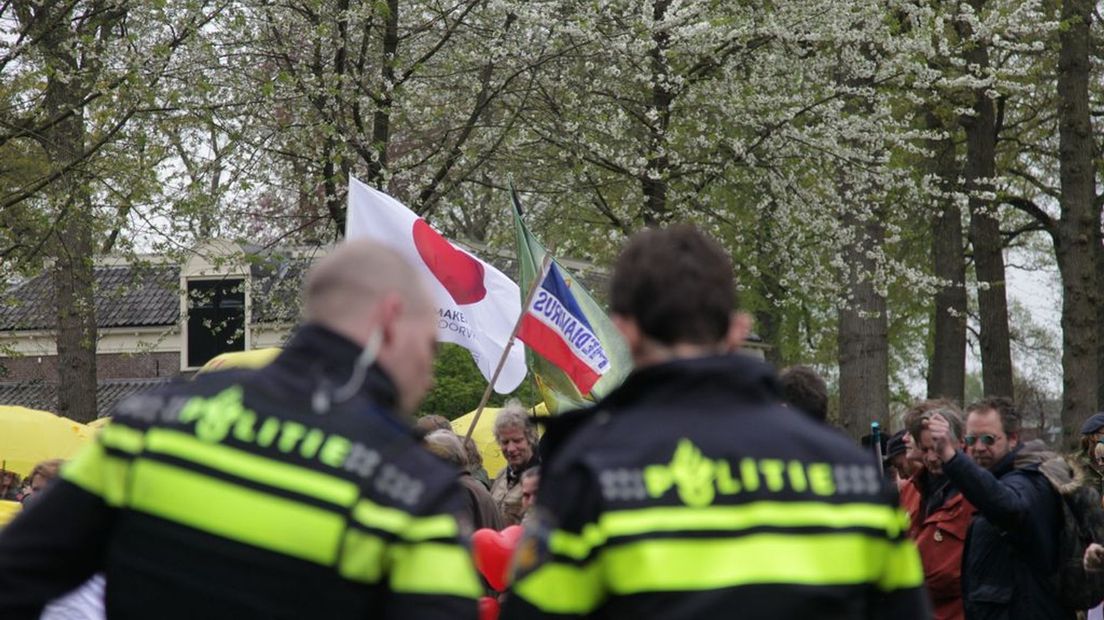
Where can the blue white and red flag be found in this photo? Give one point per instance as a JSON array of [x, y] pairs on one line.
[[556, 329]]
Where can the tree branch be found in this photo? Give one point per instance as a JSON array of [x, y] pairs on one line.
[[1043, 221]]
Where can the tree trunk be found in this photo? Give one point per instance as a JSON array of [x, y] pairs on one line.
[[656, 172], [863, 336], [1077, 241], [947, 367], [72, 250], [74, 281], [769, 318], [381, 119], [981, 153], [766, 327]]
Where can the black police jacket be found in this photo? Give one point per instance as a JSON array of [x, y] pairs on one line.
[[690, 492], [251, 494]]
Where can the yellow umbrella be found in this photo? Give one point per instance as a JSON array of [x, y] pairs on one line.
[[8, 510], [98, 423], [483, 436], [255, 358], [29, 436]]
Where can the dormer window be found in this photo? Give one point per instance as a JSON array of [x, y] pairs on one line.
[[216, 319]]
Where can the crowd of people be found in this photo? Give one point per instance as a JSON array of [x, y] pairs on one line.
[[986, 507], [704, 486], [16, 489]]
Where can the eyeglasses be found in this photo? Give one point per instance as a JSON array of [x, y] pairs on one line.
[[986, 439]]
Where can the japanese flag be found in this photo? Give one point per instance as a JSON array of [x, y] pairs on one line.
[[477, 305]]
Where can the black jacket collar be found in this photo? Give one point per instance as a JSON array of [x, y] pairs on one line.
[[317, 352], [734, 375], [514, 476], [1007, 462], [720, 375]]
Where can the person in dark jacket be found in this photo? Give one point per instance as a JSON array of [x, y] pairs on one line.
[[1011, 550], [294, 491], [690, 491], [480, 510]]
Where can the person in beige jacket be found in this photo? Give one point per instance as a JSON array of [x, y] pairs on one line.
[[517, 438]]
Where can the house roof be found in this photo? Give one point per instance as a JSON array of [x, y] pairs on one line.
[[126, 296], [43, 395], [148, 295]]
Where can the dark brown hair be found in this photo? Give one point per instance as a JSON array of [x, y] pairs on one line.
[[1009, 416], [676, 283], [803, 388]]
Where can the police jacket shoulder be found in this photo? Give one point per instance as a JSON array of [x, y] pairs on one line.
[[287, 412], [276, 482], [730, 403], [677, 495]]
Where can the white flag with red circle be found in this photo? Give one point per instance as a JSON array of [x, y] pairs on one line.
[[477, 305]]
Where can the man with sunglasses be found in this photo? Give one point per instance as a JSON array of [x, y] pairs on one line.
[[1012, 546]]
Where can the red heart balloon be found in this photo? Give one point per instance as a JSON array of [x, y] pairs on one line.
[[460, 274], [493, 551], [488, 608]]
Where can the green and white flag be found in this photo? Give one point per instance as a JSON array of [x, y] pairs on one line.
[[557, 389]]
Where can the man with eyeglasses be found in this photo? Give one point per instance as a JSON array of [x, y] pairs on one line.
[[1012, 546]]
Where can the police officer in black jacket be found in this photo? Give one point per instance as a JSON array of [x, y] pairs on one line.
[[293, 491], [691, 492]]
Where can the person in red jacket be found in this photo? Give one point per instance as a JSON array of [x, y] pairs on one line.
[[939, 515]]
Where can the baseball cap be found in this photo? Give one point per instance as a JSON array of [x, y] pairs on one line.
[[1093, 424]]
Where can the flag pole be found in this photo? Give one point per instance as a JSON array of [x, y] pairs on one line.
[[509, 343]]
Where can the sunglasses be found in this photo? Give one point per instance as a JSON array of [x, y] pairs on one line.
[[986, 439]]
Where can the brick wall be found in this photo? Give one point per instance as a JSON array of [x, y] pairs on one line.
[[108, 366]]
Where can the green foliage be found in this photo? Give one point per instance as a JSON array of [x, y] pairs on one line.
[[764, 127], [459, 386]]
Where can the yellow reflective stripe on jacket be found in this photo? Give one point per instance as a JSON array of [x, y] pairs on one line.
[[799, 559], [236, 512], [417, 568], [99, 473], [562, 588], [841, 558], [253, 467], [903, 569], [577, 546], [403, 524], [270, 522], [362, 557], [742, 517], [433, 568], [727, 518], [122, 438]]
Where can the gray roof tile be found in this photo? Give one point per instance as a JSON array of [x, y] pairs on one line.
[[43, 395], [126, 296]]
